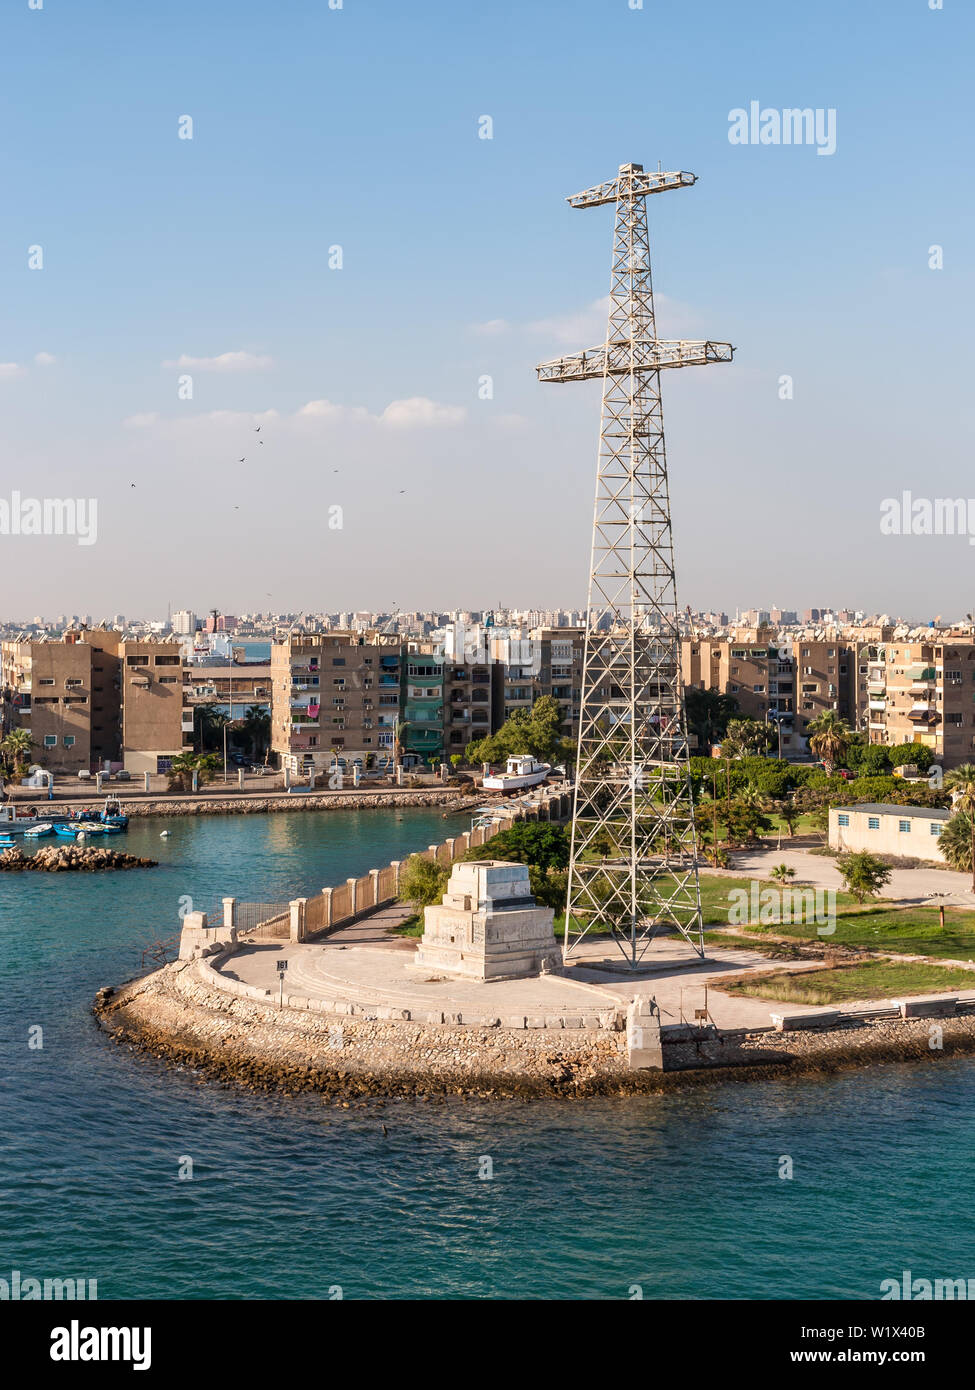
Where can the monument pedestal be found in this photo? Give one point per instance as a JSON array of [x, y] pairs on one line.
[[488, 926]]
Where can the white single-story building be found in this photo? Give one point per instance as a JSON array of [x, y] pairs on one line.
[[911, 831]]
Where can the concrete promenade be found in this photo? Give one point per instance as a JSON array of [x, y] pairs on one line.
[[363, 966]]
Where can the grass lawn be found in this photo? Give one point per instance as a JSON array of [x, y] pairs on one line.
[[875, 979]]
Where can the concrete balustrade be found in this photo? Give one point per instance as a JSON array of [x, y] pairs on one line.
[[338, 906]]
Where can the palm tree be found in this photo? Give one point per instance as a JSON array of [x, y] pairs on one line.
[[708, 712], [830, 738], [961, 781], [399, 731], [257, 726], [17, 749]]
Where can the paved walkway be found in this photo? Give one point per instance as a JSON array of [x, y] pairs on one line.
[[360, 965]]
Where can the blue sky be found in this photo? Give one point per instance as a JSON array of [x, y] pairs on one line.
[[358, 127]]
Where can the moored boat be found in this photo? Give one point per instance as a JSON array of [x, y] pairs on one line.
[[522, 771]]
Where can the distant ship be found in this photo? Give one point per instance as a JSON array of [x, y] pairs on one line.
[[522, 771]]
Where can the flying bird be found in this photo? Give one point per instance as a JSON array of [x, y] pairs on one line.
[[258, 430], [243, 460]]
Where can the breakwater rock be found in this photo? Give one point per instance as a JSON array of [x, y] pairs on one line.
[[176, 1015], [250, 805], [56, 859]]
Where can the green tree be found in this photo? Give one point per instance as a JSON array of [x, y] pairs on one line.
[[541, 844], [863, 873], [180, 775], [422, 882], [257, 727], [782, 873], [961, 782], [748, 736], [829, 737], [955, 842], [708, 713], [538, 731], [211, 724], [16, 749]]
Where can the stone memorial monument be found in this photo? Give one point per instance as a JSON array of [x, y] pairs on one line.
[[488, 926]]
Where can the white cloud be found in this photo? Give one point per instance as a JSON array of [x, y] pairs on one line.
[[491, 329], [418, 412], [141, 422], [45, 359], [225, 362], [329, 410], [9, 370], [578, 329]]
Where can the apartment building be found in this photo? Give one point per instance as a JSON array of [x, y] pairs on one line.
[[157, 723], [826, 679], [334, 696], [422, 704], [467, 703], [66, 693], [924, 692], [791, 684], [560, 660], [759, 675]]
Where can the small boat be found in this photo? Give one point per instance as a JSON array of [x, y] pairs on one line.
[[36, 831], [70, 832], [522, 771], [111, 813], [164, 834], [6, 842]]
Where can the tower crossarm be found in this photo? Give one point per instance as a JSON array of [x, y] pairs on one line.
[[620, 358], [632, 181]]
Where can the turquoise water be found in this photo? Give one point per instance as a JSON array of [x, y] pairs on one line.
[[680, 1195]]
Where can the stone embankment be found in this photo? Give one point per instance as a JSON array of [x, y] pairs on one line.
[[56, 859], [251, 805], [176, 1014]]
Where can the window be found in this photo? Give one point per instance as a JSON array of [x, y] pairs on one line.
[[338, 661], [74, 680], [758, 689], [50, 740], [954, 718], [69, 740], [904, 826], [46, 680], [169, 680], [873, 822], [843, 820], [167, 660], [936, 827]]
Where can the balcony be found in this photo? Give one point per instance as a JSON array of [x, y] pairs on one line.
[[880, 705]]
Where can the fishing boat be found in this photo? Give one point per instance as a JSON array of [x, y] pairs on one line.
[[34, 832], [111, 814], [521, 771], [6, 842], [69, 832]]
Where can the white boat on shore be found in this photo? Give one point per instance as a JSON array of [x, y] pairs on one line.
[[522, 771]]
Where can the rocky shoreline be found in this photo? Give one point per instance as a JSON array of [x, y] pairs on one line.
[[300, 801], [56, 859], [174, 1015]]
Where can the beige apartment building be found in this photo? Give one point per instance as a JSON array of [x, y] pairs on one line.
[[791, 684], [335, 695], [67, 694], [924, 692], [157, 725]]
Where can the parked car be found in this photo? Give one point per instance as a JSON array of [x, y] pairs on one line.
[[123, 776], [85, 775]]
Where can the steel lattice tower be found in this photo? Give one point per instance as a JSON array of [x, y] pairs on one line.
[[632, 800]]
